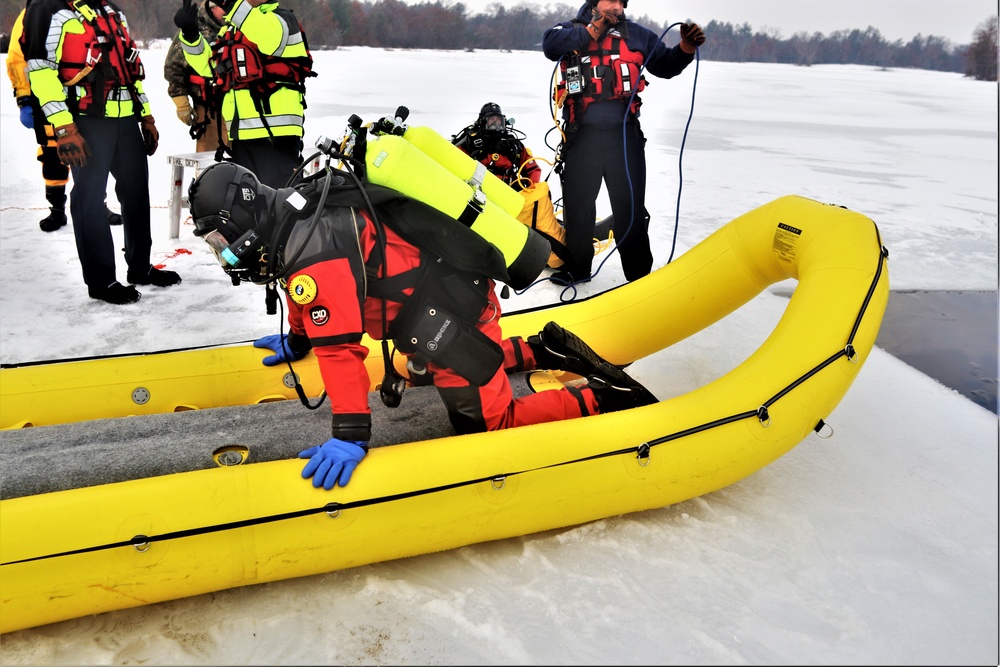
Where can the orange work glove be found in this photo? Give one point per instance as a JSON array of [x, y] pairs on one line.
[[691, 37], [600, 22], [150, 136], [71, 147]]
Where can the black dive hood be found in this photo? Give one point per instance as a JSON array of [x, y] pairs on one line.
[[252, 218], [276, 213]]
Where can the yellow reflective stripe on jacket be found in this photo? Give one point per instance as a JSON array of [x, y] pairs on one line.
[[43, 75], [198, 56], [266, 29], [244, 121], [273, 37], [119, 102]]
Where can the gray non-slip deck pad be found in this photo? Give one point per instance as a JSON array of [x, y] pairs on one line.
[[43, 459]]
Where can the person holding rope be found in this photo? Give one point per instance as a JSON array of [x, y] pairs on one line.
[[601, 53]]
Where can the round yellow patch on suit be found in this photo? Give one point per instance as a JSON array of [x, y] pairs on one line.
[[303, 289]]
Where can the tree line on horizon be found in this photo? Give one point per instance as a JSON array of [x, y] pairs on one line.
[[434, 25]]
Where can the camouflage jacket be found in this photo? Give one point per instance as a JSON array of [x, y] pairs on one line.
[[176, 70]]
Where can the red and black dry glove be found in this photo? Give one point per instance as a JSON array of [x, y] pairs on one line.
[[150, 136], [600, 23], [691, 37], [71, 147]]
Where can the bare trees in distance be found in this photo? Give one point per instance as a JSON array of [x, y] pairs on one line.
[[434, 25]]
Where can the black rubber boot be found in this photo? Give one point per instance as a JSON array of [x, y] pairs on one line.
[[115, 293], [153, 276], [56, 196]]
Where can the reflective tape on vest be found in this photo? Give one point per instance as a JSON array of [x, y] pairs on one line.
[[625, 77], [241, 61]]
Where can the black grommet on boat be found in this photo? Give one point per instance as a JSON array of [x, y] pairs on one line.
[[851, 353], [332, 510], [763, 417], [141, 543], [642, 453], [498, 481]]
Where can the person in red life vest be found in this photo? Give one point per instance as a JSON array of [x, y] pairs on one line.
[[86, 74], [493, 141], [193, 94], [600, 54], [358, 258], [259, 64]]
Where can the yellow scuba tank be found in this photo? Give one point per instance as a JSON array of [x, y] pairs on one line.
[[393, 162], [456, 161]]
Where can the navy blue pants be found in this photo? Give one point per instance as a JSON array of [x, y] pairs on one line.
[[596, 154], [273, 161], [116, 148]]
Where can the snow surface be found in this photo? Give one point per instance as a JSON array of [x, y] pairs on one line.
[[876, 546]]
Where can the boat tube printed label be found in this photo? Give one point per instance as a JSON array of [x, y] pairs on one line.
[[786, 238], [302, 289]]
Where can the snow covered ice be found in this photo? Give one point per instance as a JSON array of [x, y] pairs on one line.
[[876, 546]]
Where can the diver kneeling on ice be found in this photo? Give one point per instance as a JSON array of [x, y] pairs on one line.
[[355, 258]]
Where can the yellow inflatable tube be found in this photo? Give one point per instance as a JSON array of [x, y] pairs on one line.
[[169, 537], [60, 393]]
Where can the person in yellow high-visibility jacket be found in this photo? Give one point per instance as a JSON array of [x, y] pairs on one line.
[[259, 62], [86, 75]]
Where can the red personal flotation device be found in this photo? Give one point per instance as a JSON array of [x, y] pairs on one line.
[[607, 70], [241, 66], [104, 57]]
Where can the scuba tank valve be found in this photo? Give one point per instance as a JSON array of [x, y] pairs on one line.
[[395, 126]]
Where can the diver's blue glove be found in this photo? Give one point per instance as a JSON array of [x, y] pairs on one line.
[[27, 119], [286, 348], [333, 461]]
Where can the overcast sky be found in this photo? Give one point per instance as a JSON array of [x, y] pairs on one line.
[[955, 20]]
